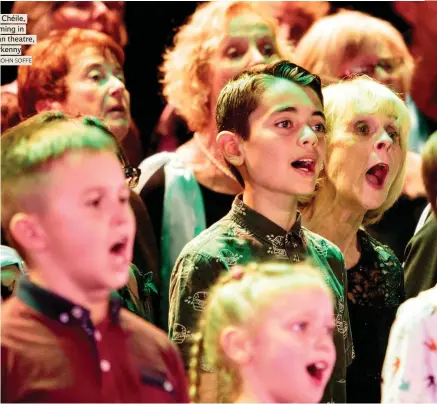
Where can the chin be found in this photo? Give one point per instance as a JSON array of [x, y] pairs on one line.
[[304, 190], [120, 278], [120, 131]]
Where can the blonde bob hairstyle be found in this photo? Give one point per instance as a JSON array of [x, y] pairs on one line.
[[362, 96], [334, 39], [236, 299], [185, 68]]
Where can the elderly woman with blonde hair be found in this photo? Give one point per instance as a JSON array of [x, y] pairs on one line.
[[352, 43], [367, 130], [189, 190]]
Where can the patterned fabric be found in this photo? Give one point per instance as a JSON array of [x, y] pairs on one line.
[[240, 237], [375, 291], [410, 366]]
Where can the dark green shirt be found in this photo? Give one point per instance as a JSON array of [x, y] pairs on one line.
[[243, 236]]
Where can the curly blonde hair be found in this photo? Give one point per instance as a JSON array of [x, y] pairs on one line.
[[335, 38], [186, 65]]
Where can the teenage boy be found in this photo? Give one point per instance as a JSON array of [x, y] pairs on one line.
[[272, 133]]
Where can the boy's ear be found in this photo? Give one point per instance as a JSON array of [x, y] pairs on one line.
[[48, 104], [236, 345], [26, 231], [230, 145]]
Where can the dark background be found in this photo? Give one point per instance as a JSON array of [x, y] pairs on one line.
[[151, 26]]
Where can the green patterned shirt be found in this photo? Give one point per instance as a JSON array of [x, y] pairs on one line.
[[243, 236]]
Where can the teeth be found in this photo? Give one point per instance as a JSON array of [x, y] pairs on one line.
[[307, 160], [321, 365]]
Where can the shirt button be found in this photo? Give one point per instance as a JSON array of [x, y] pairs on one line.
[[64, 317], [77, 312], [105, 366], [97, 335], [168, 386]]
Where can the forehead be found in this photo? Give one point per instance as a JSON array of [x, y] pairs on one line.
[[80, 57], [369, 50], [305, 299], [88, 168], [247, 25], [282, 93]]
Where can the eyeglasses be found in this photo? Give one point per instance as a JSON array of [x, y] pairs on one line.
[[389, 65], [132, 175]]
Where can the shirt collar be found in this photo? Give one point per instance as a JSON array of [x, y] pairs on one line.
[[263, 227], [58, 308]]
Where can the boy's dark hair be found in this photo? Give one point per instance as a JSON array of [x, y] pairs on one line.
[[242, 95], [429, 170]]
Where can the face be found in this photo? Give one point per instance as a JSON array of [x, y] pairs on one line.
[[292, 21], [286, 146], [96, 87], [102, 16], [293, 352], [248, 41], [364, 158], [87, 220], [381, 64]]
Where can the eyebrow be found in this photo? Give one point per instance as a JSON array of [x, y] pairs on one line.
[[93, 65], [294, 110]]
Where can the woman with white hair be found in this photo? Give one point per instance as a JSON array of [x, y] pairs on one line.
[[367, 129]]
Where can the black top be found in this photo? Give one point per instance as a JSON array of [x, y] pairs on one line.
[[375, 291], [243, 236], [421, 259]]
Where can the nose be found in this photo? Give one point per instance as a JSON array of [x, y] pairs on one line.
[[123, 214], [307, 139], [323, 342], [99, 9], [384, 141], [116, 86], [256, 57]]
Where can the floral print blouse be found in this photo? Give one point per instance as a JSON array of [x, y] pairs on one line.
[[410, 366]]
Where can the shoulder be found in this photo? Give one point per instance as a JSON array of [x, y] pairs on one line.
[[150, 166], [20, 324], [209, 242], [420, 307], [152, 347], [148, 341], [384, 255], [156, 339], [323, 246]]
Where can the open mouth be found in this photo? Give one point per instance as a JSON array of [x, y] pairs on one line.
[[117, 109], [119, 248], [305, 166], [316, 370], [377, 174]]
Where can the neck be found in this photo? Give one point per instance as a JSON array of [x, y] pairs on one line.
[[96, 302], [332, 217], [279, 208], [203, 156], [252, 390]]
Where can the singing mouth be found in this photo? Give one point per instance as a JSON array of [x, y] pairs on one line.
[[317, 369], [307, 165], [377, 174]]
